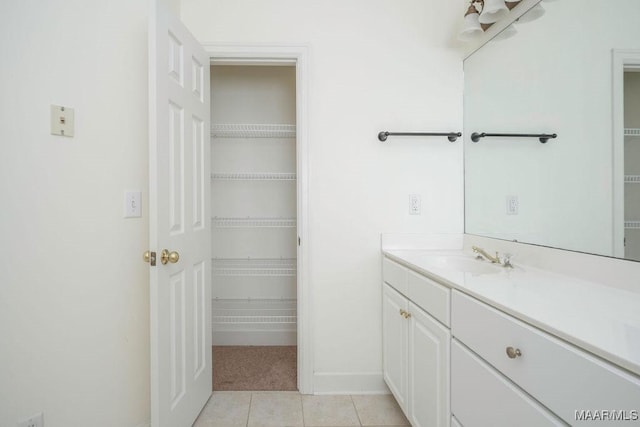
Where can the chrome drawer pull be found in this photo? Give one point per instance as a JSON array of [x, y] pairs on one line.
[[513, 352]]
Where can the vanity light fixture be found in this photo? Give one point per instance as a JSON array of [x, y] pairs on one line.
[[511, 3], [471, 28], [493, 11]]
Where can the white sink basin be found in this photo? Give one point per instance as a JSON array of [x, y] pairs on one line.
[[463, 264]]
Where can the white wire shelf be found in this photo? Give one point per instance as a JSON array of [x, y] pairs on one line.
[[256, 320], [283, 267], [248, 222], [632, 179], [254, 176], [229, 303], [632, 132], [262, 314], [632, 225], [253, 131]]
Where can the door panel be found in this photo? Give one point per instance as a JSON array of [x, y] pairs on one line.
[[179, 210], [429, 349]]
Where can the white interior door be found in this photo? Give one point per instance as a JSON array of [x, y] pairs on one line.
[[180, 222]]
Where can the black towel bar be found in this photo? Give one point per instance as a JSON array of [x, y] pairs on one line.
[[451, 136]]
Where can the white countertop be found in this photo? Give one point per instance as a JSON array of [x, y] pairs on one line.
[[601, 319]]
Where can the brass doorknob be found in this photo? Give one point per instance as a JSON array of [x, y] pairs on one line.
[[166, 256], [512, 353], [149, 257]]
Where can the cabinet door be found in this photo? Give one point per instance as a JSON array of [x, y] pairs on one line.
[[429, 348], [394, 343]]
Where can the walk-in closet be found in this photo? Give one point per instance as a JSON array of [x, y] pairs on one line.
[[254, 237]]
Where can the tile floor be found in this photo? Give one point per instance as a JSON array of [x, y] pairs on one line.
[[291, 409]]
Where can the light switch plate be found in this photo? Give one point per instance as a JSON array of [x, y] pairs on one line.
[[62, 121], [132, 204]]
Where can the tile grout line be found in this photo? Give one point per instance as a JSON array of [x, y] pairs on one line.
[[355, 409], [249, 411]]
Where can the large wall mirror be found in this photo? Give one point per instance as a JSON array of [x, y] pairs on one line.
[[574, 71]]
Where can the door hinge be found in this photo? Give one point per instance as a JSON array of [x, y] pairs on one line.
[[298, 240]]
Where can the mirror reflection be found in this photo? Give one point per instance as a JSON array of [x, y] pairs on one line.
[[574, 71]]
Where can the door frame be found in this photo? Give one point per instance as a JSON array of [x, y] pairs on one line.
[[622, 60], [298, 55]]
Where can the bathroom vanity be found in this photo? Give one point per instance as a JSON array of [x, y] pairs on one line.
[[467, 342], [554, 340]]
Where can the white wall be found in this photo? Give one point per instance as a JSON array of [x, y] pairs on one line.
[[74, 326], [374, 65]]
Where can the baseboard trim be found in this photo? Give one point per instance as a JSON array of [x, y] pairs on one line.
[[349, 383]]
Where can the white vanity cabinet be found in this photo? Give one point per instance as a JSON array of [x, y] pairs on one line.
[[453, 356], [416, 345], [509, 354]]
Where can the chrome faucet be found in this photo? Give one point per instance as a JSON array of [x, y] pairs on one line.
[[482, 254]]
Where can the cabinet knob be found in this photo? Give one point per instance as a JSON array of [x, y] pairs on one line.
[[512, 353], [405, 314]]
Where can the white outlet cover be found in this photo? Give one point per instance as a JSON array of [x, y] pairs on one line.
[[36, 420], [415, 204], [512, 205]]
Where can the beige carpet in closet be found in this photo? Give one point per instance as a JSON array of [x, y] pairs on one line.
[[254, 368]]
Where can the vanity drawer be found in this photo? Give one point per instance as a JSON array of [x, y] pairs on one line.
[[432, 297], [481, 396], [395, 275], [562, 377]]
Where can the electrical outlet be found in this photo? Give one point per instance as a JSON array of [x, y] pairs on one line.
[[512, 205], [36, 420], [415, 203]]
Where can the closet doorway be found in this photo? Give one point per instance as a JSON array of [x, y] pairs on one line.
[[632, 163], [256, 238], [626, 153]]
